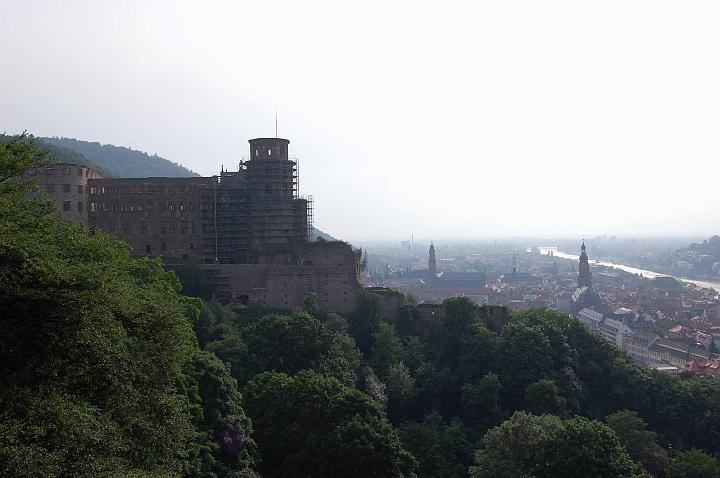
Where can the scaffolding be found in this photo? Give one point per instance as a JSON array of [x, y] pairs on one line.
[[310, 217]]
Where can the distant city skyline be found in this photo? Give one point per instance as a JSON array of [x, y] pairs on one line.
[[553, 119]]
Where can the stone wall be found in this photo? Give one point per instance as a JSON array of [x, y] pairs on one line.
[[283, 279], [156, 216], [67, 185]]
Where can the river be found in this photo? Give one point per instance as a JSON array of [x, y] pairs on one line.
[[632, 270]]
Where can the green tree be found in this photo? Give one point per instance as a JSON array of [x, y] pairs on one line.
[[546, 446], [640, 442], [526, 355], [480, 403], [342, 360], [478, 350], [400, 386], [311, 425], [365, 319], [582, 447], [543, 397], [386, 348], [693, 463], [442, 451], [515, 448], [286, 343]]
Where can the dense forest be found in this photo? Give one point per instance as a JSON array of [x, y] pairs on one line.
[[111, 366]]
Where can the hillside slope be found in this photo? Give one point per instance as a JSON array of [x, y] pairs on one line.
[[119, 161]]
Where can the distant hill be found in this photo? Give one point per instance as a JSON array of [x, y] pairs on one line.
[[115, 161], [63, 155]]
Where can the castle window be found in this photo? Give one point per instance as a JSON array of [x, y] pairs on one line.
[[190, 206], [93, 190], [169, 190], [140, 207], [163, 226], [192, 246], [66, 205], [50, 171], [51, 188], [66, 188], [193, 226], [171, 206], [162, 246], [147, 248], [80, 172], [269, 152], [32, 171], [66, 171], [256, 152], [79, 189], [143, 226], [150, 206], [173, 227], [183, 227], [126, 226], [103, 207], [182, 206], [80, 206], [93, 207]]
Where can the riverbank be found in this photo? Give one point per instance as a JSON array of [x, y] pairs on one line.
[[633, 270]]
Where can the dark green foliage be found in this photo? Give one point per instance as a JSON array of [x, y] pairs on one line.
[[543, 397], [212, 323], [311, 425], [400, 386], [693, 464], [638, 440], [545, 446], [194, 279], [286, 343], [386, 349], [481, 403], [119, 161], [342, 361], [100, 374], [365, 319], [442, 451]]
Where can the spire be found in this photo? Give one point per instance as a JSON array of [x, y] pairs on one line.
[[514, 264], [584, 275], [432, 264]]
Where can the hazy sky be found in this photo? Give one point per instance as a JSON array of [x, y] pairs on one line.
[[442, 119]]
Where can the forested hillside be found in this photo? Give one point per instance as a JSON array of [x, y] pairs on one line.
[[119, 161], [107, 370]]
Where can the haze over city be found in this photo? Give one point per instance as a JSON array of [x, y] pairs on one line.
[[509, 118]]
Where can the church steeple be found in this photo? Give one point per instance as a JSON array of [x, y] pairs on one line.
[[432, 264], [584, 274]]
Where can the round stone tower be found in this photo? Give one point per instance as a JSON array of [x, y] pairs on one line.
[[271, 173]]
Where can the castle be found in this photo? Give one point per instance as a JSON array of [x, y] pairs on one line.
[[248, 229]]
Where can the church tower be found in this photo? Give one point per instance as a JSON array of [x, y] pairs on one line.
[[514, 265], [584, 275], [432, 265]]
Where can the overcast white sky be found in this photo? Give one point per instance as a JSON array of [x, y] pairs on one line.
[[442, 119]]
